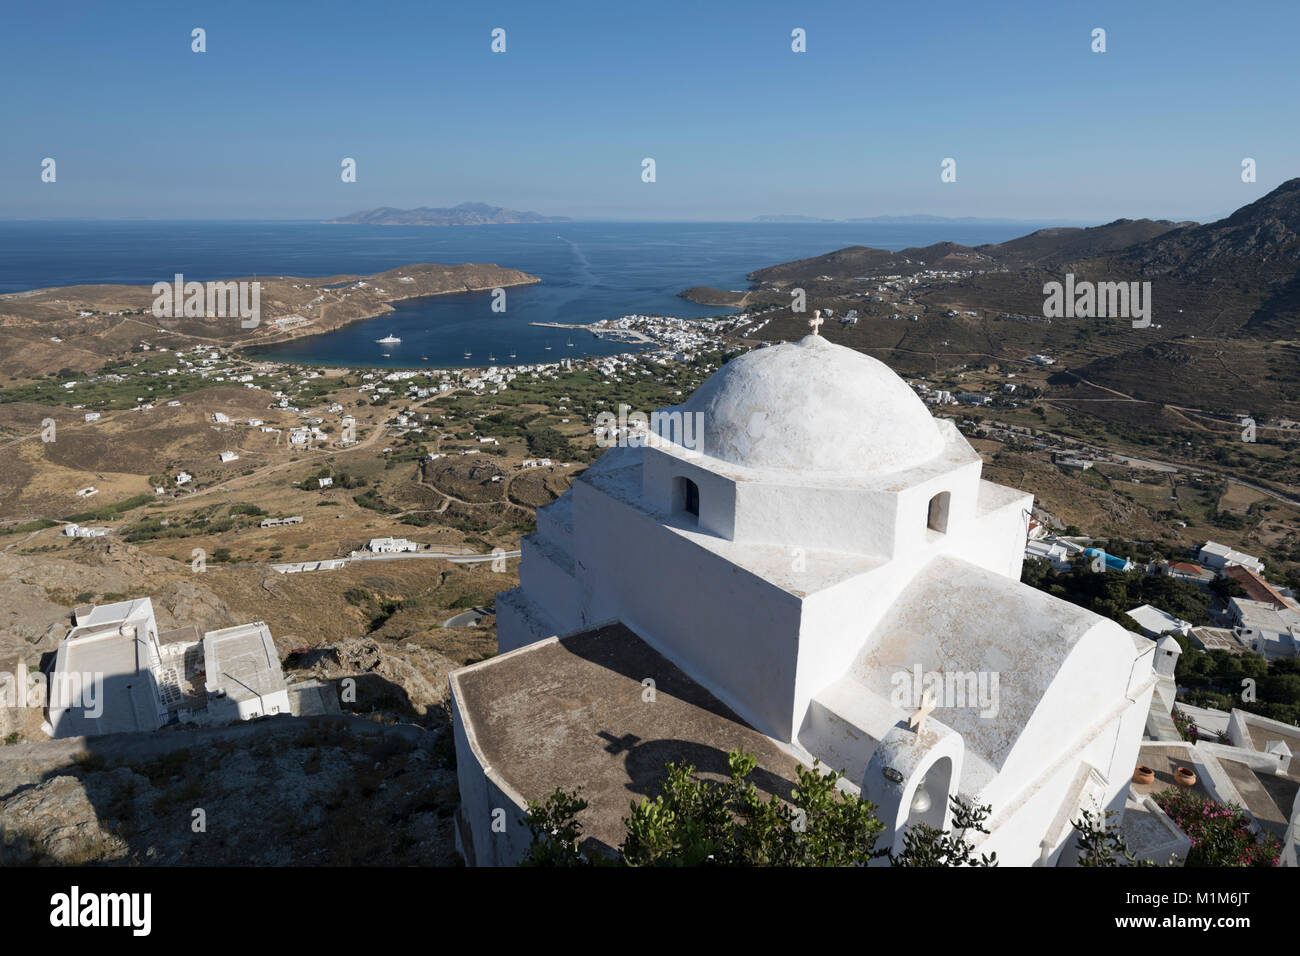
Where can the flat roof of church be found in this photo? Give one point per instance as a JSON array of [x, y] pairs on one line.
[[241, 662], [574, 712]]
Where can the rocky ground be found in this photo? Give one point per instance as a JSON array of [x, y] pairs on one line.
[[275, 792]]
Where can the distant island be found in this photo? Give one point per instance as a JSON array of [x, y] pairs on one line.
[[791, 219], [894, 220], [466, 214]]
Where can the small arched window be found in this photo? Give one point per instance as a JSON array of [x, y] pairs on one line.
[[937, 519]]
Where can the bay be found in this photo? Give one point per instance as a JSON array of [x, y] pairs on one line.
[[589, 271]]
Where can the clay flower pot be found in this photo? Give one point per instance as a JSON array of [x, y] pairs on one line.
[[1144, 775], [1184, 777]]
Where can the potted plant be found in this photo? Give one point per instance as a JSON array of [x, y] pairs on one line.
[[1143, 775], [1185, 777]]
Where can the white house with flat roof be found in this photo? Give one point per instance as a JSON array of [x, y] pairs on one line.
[[116, 672], [104, 679], [1155, 622], [817, 570], [1220, 556], [244, 679], [391, 545], [1266, 628]]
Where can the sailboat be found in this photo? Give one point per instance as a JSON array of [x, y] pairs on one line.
[[548, 346], [570, 343], [491, 357], [467, 353], [512, 353]]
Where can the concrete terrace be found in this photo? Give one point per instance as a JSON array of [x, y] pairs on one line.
[[572, 712]]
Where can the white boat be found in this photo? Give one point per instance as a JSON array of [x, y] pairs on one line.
[[389, 339]]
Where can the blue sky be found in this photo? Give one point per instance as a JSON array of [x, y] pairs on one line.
[[739, 125]]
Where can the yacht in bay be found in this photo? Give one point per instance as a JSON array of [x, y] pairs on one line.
[[389, 339]]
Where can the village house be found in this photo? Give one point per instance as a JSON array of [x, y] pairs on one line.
[[391, 545], [1155, 622], [278, 522], [1268, 629], [1220, 556], [80, 531], [1256, 588]]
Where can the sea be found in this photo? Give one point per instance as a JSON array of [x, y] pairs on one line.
[[589, 271]]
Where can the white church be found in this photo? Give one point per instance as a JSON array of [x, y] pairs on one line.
[[817, 572]]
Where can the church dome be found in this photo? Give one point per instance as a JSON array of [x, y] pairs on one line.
[[813, 406]]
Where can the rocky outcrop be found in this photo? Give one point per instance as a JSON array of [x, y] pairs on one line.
[[56, 821], [416, 675]]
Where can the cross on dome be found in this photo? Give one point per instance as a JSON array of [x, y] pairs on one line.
[[816, 321]]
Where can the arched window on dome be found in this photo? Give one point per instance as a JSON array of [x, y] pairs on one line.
[[937, 520], [686, 497]]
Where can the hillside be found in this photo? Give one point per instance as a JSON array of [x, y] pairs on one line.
[[1223, 341], [1051, 245], [856, 261], [1258, 242]]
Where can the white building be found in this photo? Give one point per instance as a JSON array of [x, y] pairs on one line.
[[1155, 622], [92, 416], [1053, 551], [229, 456], [220, 418], [184, 478], [1266, 628], [324, 482], [105, 674], [244, 679], [116, 672], [81, 531], [392, 545], [824, 564], [1220, 556]]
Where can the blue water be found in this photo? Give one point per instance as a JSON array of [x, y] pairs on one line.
[[589, 271]]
